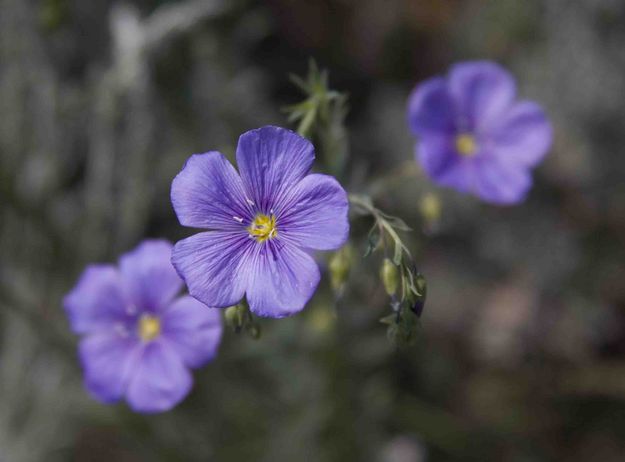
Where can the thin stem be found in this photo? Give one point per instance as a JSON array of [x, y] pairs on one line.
[[406, 169]]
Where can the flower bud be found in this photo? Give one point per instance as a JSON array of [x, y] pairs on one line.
[[390, 276], [404, 329], [339, 266], [235, 317], [417, 294], [430, 207]]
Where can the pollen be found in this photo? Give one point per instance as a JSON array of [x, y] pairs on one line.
[[149, 327], [263, 227], [466, 144]]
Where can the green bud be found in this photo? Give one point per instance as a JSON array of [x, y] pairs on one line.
[[235, 317], [390, 276], [430, 207], [421, 285], [417, 293], [239, 318], [404, 330], [339, 266]]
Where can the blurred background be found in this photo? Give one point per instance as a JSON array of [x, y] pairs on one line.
[[521, 354]]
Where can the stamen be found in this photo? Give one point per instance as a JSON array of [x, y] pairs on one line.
[[466, 144], [263, 227], [149, 327]]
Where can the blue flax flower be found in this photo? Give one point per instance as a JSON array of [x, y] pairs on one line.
[[262, 223], [474, 136], [139, 339]]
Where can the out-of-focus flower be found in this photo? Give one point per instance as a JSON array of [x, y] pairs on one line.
[[261, 224], [474, 136], [139, 339]]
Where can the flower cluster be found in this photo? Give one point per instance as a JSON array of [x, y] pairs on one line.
[[474, 136], [262, 222]]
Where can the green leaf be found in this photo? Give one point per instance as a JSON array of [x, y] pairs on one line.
[[405, 331], [307, 123], [418, 286], [372, 241], [398, 253], [398, 223], [300, 83]]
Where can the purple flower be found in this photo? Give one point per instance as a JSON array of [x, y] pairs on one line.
[[139, 339], [261, 224], [474, 136]]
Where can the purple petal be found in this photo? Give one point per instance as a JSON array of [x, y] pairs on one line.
[[108, 360], [459, 176], [212, 265], [208, 193], [97, 301], [485, 175], [193, 329], [501, 182], [159, 381], [282, 280], [437, 155], [430, 109], [271, 161], [314, 214], [482, 91], [442, 163], [150, 278], [524, 135]]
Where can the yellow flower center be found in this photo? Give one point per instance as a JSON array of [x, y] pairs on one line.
[[149, 327], [466, 144], [263, 227]]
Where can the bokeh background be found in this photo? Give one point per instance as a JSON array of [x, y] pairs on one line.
[[521, 353]]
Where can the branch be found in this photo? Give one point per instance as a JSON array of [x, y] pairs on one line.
[[168, 21]]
